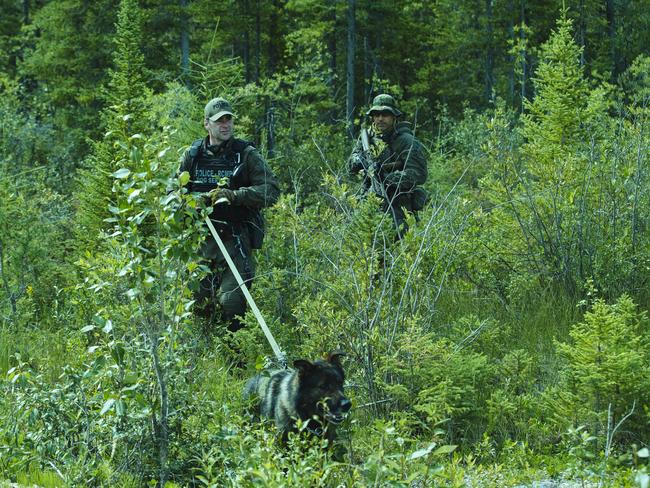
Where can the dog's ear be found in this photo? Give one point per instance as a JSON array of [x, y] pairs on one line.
[[303, 366], [334, 357]]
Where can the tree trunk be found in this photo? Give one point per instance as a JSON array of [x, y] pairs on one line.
[[581, 32], [522, 37], [185, 42], [163, 424], [511, 58], [274, 36], [258, 42], [270, 128], [332, 115], [331, 38], [246, 47], [617, 67], [25, 12], [367, 70], [489, 54], [349, 101]]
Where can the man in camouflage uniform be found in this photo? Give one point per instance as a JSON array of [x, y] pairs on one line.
[[394, 165], [238, 183]]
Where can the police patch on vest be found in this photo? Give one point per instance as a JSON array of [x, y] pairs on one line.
[[211, 173], [212, 176]]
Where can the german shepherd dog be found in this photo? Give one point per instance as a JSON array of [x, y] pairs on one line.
[[312, 392]]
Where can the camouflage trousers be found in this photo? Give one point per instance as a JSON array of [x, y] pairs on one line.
[[220, 285]]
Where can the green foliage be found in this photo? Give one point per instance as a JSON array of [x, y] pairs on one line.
[[33, 272], [66, 56], [127, 89], [152, 248], [247, 456], [9, 29], [34, 221], [549, 196], [126, 94], [456, 335], [604, 375], [106, 404]]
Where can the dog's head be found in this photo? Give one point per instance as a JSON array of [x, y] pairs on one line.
[[321, 388]]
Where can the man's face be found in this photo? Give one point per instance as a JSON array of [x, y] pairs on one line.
[[219, 130], [384, 121]]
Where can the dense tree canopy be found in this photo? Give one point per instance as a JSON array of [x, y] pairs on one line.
[[504, 338]]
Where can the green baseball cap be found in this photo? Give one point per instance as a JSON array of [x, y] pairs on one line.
[[384, 103], [217, 108]]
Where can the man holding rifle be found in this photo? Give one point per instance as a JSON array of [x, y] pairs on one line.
[[237, 183], [392, 161]]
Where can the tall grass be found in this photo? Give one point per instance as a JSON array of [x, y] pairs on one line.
[[4, 351]]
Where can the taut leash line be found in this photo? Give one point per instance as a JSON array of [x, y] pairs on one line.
[[256, 311]]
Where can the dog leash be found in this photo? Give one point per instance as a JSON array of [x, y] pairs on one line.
[[281, 357]]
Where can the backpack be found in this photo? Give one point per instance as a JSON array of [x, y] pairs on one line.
[[255, 223]]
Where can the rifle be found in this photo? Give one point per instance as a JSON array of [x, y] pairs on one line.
[[371, 167]]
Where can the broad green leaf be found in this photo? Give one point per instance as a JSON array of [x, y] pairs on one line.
[[259, 363], [108, 404], [108, 327], [121, 173], [130, 378], [99, 320], [447, 449], [133, 194], [168, 199], [184, 178], [120, 407], [422, 452], [117, 353]]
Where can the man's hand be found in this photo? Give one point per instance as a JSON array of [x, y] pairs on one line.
[[357, 164], [394, 178], [222, 195]]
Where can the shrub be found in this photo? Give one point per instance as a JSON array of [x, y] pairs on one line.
[[605, 372]]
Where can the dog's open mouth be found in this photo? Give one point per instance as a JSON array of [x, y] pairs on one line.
[[335, 419]]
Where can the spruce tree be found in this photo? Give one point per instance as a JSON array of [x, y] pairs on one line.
[[605, 370], [125, 96], [556, 126]]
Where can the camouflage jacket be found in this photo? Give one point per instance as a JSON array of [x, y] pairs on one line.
[[236, 165], [401, 164]]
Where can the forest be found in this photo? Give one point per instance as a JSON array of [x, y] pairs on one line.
[[502, 342]]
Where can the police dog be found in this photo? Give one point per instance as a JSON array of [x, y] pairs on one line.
[[312, 392]]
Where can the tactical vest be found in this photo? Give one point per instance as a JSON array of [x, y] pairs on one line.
[[225, 170]]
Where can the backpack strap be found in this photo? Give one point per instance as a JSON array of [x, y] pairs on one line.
[[194, 148], [246, 152], [194, 152]]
